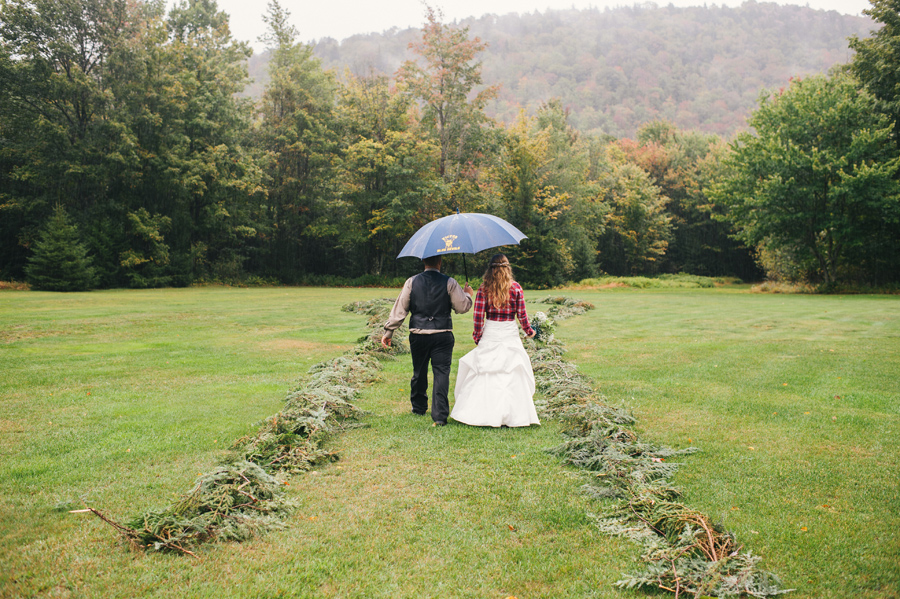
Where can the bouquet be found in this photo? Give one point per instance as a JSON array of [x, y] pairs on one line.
[[543, 327]]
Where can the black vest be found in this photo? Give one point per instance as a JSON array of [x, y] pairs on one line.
[[429, 302]]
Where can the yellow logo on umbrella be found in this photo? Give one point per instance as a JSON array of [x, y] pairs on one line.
[[448, 240]]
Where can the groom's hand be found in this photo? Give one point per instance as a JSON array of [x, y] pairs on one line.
[[468, 290], [386, 341]]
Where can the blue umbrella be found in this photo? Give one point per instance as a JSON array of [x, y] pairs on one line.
[[461, 233]]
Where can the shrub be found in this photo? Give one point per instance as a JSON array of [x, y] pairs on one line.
[[669, 281]]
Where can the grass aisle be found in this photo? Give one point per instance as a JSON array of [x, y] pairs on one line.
[[123, 397]]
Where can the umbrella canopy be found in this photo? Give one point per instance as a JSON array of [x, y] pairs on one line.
[[461, 233]]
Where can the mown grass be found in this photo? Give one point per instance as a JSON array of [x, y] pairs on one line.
[[119, 399], [795, 403]]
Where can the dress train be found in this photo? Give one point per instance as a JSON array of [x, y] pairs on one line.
[[495, 382]]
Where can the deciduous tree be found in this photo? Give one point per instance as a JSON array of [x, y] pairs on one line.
[[446, 86], [683, 165], [638, 227], [388, 172], [61, 139], [526, 198], [817, 181], [876, 63]]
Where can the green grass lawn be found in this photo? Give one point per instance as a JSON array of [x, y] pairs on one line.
[[119, 399]]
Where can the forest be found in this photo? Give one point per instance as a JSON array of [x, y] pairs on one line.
[[615, 70], [135, 153]]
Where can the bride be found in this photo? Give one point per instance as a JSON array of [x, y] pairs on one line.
[[495, 383]]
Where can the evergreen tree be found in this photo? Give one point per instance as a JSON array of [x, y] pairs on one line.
[[60, 261], [297, 132]]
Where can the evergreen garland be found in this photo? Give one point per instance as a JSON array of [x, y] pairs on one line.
[[685, 552], [233, 502], [245, 496]]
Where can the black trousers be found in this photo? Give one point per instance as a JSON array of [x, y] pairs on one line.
[[436, 348]]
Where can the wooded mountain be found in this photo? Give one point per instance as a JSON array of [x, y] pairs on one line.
[[701, 68]]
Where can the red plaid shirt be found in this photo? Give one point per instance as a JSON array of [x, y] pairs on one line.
[[514, 308]]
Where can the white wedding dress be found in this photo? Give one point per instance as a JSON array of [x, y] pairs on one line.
[[495, 382]]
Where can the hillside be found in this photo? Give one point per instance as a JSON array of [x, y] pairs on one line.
[[701, 68]]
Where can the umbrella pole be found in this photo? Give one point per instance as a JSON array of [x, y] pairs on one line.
[[466, 268]]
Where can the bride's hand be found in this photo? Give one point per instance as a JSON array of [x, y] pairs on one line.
[[531, 336]]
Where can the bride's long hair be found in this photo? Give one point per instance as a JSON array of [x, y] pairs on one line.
[[497, 280]]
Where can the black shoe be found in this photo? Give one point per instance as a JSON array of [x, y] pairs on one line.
[[440, 423], [418, 413]]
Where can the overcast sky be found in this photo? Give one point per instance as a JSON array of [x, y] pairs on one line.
[[342, 18]]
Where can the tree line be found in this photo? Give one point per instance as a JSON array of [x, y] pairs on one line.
[[128, 159]]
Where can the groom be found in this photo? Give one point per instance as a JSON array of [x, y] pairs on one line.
[[428, 298]]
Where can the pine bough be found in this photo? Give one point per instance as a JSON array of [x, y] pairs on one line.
[[684, 551], [245, 496]]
